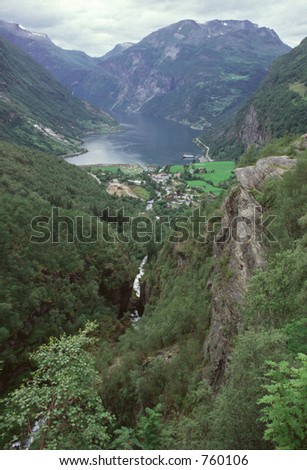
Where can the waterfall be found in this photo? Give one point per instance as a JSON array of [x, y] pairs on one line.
[[37, 425], [140, 274], [135, 317], [18, 445]]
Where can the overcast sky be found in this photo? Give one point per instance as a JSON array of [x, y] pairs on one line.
[[95, 26]]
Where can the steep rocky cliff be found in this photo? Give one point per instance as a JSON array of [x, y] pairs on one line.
[[238, 252], [251, 131]]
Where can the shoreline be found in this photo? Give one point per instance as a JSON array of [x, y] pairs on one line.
[[74, 154], [116, 165], [90, 134]]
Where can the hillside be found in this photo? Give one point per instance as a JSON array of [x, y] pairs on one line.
[[189, 72], [54, 285], [37, 111], [68, 67], [279, 107]]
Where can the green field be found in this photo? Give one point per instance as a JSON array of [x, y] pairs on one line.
[[208, 188], [216, 172], [223, 169]]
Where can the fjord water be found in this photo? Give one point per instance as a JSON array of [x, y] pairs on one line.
[[144, 140]]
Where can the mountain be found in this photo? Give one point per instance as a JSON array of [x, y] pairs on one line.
[[68, 67], [189, 72], [279, 107], [117, 50], [199, 74], [37, 111]]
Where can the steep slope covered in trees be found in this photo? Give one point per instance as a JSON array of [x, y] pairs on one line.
[[37, 111], [54, 284], [279, 107], [68, 67]]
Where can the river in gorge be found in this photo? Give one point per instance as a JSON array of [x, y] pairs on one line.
[[145, 140]]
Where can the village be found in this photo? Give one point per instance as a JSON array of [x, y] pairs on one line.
[[170, 187]]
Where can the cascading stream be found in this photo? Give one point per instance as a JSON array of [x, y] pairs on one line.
[[135, 317]]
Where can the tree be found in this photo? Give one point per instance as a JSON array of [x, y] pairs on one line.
[[236, 411], [278, 295], [60, 399], [146, 435], [149, 428], [285, 405]]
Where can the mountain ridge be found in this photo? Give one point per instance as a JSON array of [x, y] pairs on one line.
[[61, 63], [188, 72], [193, 73]]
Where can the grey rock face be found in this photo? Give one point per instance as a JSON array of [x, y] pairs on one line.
[[238, 252], [254, 176], [251, 132]]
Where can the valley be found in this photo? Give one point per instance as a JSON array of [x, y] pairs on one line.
[[193, 73], [150, 301]]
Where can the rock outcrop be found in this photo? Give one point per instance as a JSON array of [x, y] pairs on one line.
[[253, 176], [251, 131], [238, 252]]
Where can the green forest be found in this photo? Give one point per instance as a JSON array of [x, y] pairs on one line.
[[73, 362], [276, 110]]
